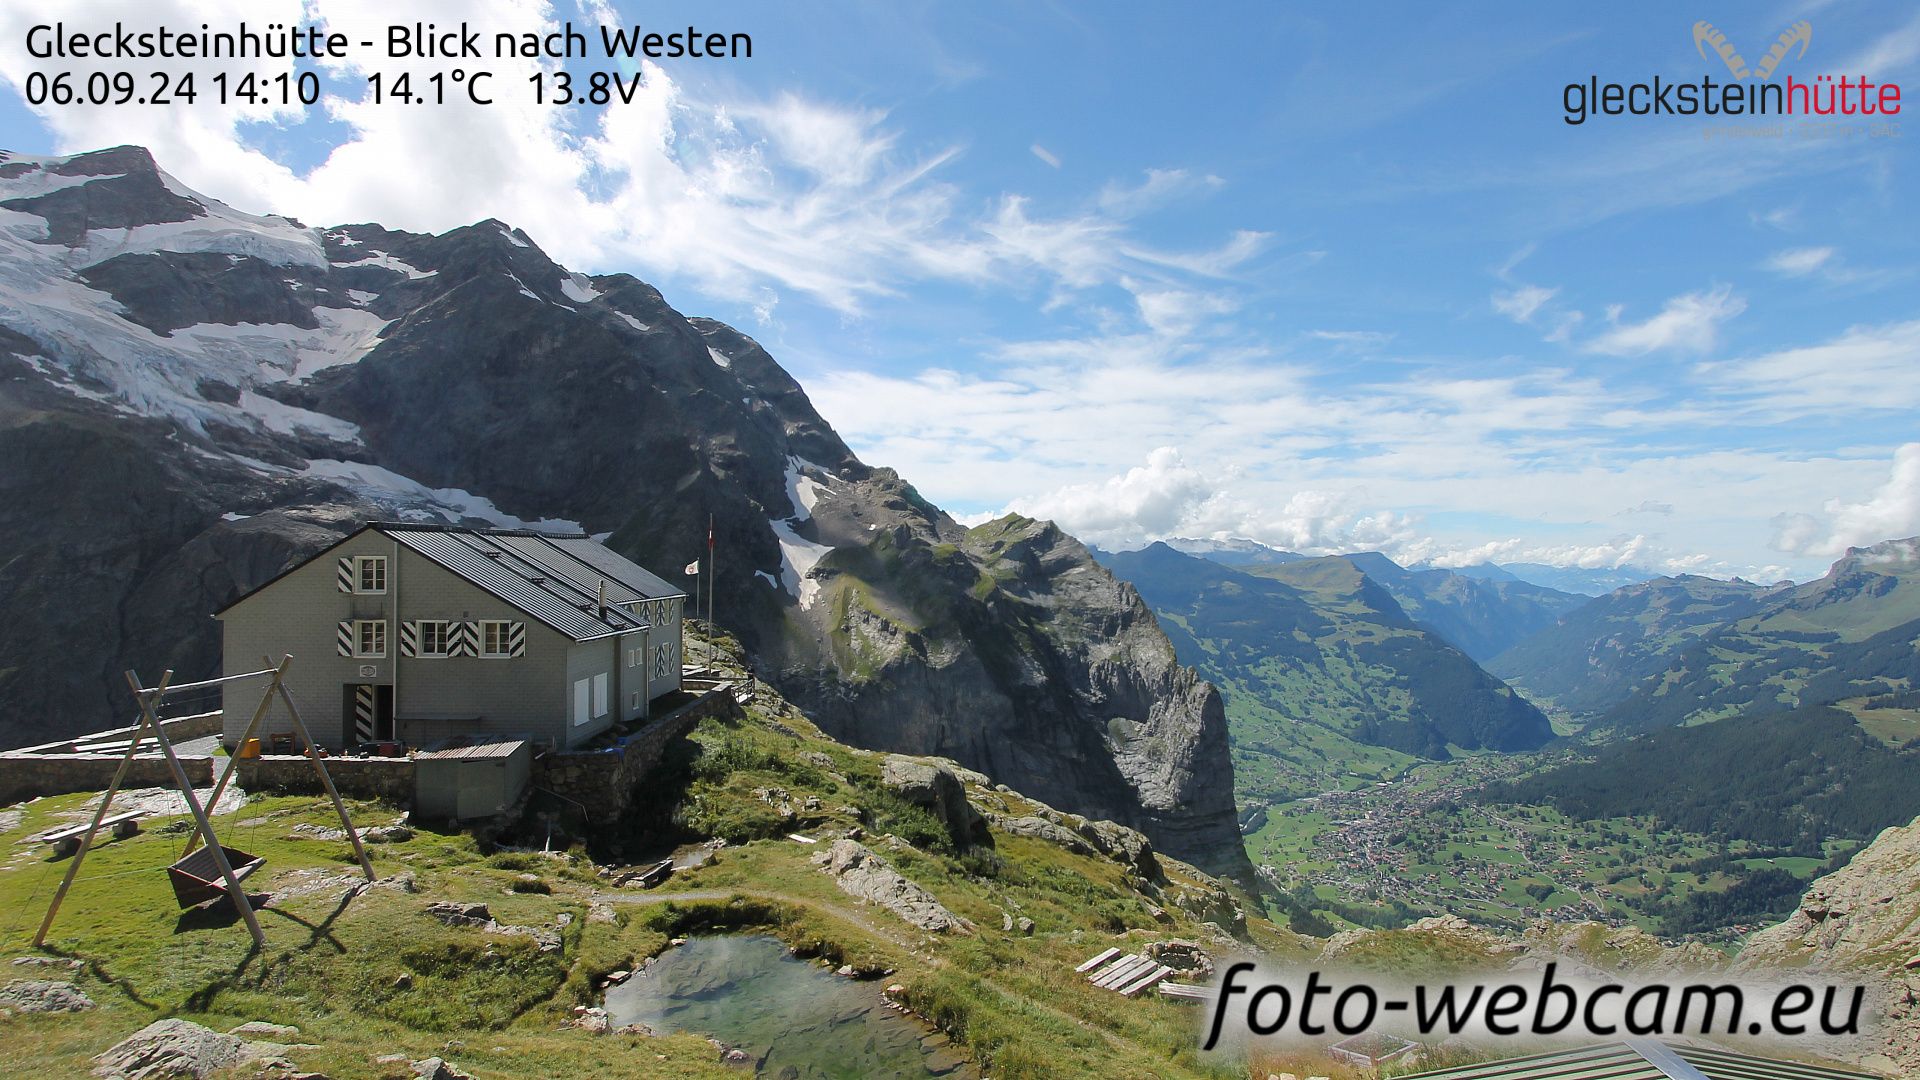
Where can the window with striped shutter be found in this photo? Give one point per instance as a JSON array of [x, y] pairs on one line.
[[344, 578], [343, 638]]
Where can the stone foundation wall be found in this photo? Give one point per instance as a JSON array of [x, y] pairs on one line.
[[604, 780], [29, 776], [387, 779]]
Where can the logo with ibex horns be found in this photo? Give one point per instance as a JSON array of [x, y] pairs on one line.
[[1705, 34]]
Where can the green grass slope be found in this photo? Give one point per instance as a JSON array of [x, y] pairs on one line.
[[366, 972]]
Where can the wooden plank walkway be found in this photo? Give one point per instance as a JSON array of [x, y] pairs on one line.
[[1128, 975]]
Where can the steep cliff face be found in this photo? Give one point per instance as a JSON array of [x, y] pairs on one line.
[[1006, 647], [1862, 921], [200, 396]]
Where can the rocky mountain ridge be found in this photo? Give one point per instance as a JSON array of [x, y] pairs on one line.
[[198, 396]]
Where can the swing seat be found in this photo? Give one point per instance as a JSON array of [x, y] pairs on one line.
[[197, 879]]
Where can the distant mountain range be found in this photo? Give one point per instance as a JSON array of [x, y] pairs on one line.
[[1688, 650], [1578, 581], [1326, 675]]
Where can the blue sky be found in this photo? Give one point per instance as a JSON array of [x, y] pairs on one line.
[[1333, 280]]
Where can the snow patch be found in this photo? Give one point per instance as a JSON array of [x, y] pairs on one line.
[[803, 491], [578, 288], [231, 516], [798, 557], [512, 239], [768, 578], [362, 296], [291, 420], [384, 261], [633, 322], [414, 501], [719, 357]]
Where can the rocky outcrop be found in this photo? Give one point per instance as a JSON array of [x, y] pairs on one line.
[[862, 874], [934, 784], [1862, 921], [177, 1049], [37, 996], [159, 468]]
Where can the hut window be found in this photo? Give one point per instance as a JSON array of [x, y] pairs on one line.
[[371, 571], [370, 637], [435, 638], [494, 638]]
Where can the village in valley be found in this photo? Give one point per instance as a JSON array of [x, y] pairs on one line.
[[1425, 843]]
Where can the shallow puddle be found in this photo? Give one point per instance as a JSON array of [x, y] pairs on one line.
[[792, 1018]]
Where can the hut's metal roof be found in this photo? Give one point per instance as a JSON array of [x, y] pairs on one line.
[[555, 578], [1641, 1060]]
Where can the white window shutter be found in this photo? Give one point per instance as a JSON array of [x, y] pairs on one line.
[[517, 639], [343, 638], [344, 578], [468, 639], [409, 638]]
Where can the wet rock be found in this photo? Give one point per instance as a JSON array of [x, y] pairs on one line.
[[34, 996]]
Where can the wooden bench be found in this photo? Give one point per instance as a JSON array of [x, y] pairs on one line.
[[1185, 992], [67, 841], [1128, 976]]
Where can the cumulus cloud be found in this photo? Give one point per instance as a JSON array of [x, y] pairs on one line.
[[1892, 512], [1150, 500], [1690, 323]]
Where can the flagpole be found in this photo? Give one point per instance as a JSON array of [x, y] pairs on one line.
[[712, 567]]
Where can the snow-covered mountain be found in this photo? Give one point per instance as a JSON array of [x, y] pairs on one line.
[[191, 397]]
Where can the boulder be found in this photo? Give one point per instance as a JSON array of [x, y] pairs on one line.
[[1040, 828], [263, 1030], [171, 1048], [936, 785], [34, 996], [434, 1068], [863, 874], [1128, 847]]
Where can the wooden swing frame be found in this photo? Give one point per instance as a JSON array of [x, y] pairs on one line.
[[230, 881]]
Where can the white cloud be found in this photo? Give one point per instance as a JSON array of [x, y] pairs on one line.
[[1799, 262], [1521, 304], [1046, 155], [1690, 322], [1160, 187], [1865, 369], [1154, 499], [1892, 512]]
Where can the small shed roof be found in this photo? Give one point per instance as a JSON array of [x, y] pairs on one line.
[[464, 750], [1642, 1060]]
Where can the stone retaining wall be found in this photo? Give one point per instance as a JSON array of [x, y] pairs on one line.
[[604, 780], [29, 776], [388, 779]]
